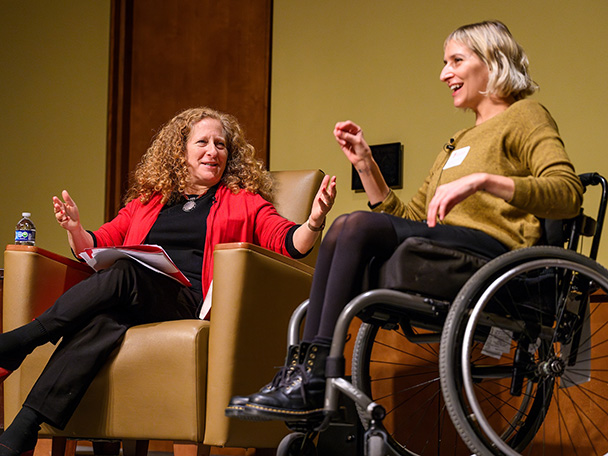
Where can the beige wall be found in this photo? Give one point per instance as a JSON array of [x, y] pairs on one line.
[[53, 102], [378, 63], [374, 62]]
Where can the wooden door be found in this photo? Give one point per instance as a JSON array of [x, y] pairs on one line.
[[167, 56]]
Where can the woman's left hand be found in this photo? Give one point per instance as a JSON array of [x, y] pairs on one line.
[[449, 195], [308, 233], [323, 202]]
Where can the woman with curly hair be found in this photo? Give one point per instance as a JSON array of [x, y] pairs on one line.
[[198, 185]]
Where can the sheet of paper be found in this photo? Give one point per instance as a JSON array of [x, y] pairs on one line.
[[151, 256]]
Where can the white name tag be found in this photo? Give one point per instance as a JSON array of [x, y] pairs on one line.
[[457, 157]]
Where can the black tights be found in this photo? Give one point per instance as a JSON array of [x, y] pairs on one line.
[[352, 242], [349, 245]]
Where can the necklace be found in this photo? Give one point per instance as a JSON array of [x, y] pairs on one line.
[[190, 204]]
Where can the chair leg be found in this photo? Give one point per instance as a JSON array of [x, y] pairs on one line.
[[106, 448], [265, 452], [190, 449], [135, 447], [61, 446]]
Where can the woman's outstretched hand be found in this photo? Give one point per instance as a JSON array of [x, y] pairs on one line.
[[323, 202], [350, 138], [67, 215], [307, 234], [66, 212]]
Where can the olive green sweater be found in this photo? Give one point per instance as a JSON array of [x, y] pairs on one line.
[[522, 143]]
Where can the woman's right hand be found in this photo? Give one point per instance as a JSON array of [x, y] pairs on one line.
[[66, 212], [353, 144], [350, 137], [67, 215]]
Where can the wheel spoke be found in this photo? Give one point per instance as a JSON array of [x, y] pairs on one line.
[[562, 408]]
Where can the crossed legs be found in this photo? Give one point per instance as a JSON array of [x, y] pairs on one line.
[[90, 319]]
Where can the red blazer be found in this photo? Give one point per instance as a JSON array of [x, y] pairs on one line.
[[241, 217]]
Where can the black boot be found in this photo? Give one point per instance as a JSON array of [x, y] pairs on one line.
[[295, 356], [299, 396], [21, 436], [15, 345]]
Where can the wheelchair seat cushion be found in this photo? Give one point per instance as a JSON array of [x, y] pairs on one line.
[[429, 268]]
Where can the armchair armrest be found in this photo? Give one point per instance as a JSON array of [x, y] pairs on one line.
[[254, 293], [256, 249], [33, 279]]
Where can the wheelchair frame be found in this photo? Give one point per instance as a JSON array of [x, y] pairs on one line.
[[391, 305]]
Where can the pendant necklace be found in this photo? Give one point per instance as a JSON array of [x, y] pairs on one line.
[[190, 204]]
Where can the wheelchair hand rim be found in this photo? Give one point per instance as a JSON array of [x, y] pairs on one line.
[[473, 320]]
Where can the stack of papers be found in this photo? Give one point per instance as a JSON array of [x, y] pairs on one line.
[[151, 256]]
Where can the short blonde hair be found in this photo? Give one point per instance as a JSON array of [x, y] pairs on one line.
[[164, 170], [506, 60]]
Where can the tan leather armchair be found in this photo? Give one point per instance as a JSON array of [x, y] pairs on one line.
[[172, 380]]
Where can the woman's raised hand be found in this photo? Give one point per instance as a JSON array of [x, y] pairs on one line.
[[350, 138], [353, 144], [307, 234], [66, 212], [323, 202], [67, 215]]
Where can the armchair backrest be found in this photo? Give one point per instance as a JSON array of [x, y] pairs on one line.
[[293, 197], [294, 192]]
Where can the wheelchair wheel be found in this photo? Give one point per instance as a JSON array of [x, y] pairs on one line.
[[403, 377], [296, 444], [523, 359]]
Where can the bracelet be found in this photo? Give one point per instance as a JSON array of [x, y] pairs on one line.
[[312, 228]]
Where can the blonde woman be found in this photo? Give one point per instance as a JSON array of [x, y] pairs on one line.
[[485, 193]]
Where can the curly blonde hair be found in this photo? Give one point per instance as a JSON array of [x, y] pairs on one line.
[[163, 168]]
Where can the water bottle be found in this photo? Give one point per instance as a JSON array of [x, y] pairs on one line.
[[25, 232]]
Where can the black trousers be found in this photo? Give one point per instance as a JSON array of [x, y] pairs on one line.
[[91, 318], [348, 247]]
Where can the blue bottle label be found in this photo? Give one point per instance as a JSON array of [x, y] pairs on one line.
[[24, 236]]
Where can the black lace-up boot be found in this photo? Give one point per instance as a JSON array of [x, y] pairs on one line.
[[295, 356], [301, 393]]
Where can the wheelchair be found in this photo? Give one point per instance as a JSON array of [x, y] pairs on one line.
[[514, 362]]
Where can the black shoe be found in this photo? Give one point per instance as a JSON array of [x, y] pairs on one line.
[[236, 406], [19, 439], [295, 356], [28, 449], [301, 394], [16, 344], [9, 364]]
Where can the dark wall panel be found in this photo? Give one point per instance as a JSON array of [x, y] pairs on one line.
[[169, 56]]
